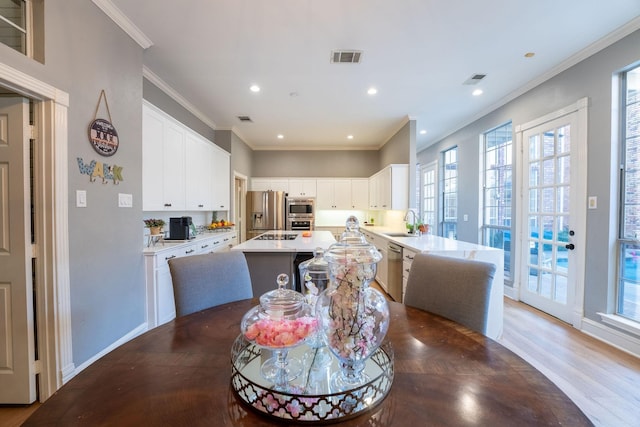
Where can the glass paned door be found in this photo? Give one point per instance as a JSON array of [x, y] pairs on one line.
[[548, 276]]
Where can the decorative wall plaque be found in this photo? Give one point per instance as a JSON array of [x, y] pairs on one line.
[[102, 134]]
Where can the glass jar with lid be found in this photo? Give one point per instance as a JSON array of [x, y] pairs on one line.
[[282, 320], [353, 317]]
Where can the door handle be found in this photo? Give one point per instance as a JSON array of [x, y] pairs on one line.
[[570, 246]]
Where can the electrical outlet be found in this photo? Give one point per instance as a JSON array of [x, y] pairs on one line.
[[81, 199], [125, 200]]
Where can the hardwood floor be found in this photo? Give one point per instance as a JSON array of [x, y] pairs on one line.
[[603, 381]]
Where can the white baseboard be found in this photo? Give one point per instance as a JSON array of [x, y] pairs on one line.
[[128, 337], [615, 338], [510, 292]]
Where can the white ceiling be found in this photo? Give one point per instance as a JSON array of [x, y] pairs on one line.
[[417, 53]]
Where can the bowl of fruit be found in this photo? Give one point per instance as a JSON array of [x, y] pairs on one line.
[[221, 225]]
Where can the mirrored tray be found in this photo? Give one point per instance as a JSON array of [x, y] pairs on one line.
[[310, 398]]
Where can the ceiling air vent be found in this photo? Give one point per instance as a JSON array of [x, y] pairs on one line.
[[346, 56], [245, 119], [474, 79]]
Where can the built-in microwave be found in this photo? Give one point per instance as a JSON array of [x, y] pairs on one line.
[[300, 207]]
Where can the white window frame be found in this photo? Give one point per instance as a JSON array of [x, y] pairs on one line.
[[27, 30], [485, 225]]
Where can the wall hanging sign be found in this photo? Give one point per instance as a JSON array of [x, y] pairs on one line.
[[97, 169], [102, 134]]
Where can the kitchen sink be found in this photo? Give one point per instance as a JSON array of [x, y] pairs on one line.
[[400, 235]]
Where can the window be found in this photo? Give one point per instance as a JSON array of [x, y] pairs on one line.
[[13, 24], [450, 193], [429, 195], [22, 26], [497, 191], [629, 235]]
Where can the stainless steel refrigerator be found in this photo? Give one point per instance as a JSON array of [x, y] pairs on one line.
[[265, 211]]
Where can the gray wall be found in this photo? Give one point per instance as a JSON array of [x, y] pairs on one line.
[[85, 53], [590, 78], [157, 97], [241, 154], [362, 163]]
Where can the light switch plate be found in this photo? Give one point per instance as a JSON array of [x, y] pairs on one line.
[[125, 200], [593, 202], [81, 199]]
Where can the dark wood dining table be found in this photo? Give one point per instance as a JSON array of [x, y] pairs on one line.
[[178, 374]]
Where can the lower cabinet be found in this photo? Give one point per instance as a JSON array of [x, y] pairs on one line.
[[407, 258], [159, 287]]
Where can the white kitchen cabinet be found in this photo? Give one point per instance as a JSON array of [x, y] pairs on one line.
[[198, 174], [382, 268], [407, 258], [270, 184], [360, 193], [302, 188], [159, 286], [333, 194], [221, 172], [162, 163], [181, 170], [389, 188]]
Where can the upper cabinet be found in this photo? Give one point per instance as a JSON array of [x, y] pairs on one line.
[[181, 170], [221, 169], [270, 184], [302, 188], [342, 193], [389, 188]]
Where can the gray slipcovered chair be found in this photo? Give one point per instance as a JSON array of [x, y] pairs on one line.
[[458, 289], [207, 280]]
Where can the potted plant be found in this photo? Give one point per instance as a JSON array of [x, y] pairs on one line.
[[154, 226]]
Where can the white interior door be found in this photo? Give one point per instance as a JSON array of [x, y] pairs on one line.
[[17, 350], [552, 217]]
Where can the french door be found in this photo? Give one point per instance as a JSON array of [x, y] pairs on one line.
[[553, 213]]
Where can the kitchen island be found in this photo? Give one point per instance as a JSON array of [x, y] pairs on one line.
[[276, 252]]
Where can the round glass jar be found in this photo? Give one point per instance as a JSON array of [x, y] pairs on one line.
[[282, 320]]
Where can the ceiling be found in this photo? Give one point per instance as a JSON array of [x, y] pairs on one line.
[[417, 53]]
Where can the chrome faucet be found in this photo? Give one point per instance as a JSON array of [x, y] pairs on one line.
[[414, 228]]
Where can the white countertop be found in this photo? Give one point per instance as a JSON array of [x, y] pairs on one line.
[[322, 239], [426, 242], [163, 245]]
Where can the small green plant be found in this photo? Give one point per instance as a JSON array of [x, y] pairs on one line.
[[153, 223]]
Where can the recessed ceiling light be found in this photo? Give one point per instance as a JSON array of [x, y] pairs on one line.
[[372, 91], [423, 132], [349, 136], [280, 136], [529, 54], [477, 92], [254, 88]]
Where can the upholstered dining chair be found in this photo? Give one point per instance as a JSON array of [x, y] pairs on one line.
[[207, 280], [458, 289]]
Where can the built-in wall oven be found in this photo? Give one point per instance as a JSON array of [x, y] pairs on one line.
[[300, 213]]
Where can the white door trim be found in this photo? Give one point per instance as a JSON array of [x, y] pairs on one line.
[[579, 190], [54, 308]]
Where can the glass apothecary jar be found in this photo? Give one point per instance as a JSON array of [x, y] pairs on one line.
[[283, 320], [353, 318]]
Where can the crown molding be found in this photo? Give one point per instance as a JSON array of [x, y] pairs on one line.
[[585, 53], [121, 20], [171, 92]]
